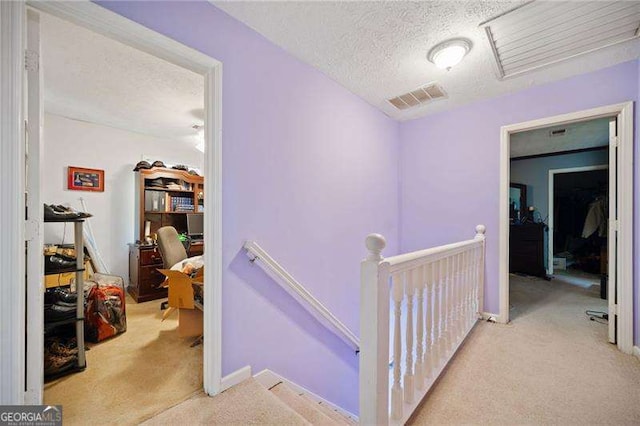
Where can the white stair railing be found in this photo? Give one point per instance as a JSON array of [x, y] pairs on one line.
[[312, 305], [437, 297]]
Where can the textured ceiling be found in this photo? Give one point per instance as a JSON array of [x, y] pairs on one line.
[[93, 78], [378, 50], [586, 134]]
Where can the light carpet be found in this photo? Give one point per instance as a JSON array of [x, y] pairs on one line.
[[247, 403], [133, 376], [550, 365]]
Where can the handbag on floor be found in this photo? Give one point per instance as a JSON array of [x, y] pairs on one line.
[[105, 312]]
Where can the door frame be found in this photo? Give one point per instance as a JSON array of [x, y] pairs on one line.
[[624, 114], [552, 174], [117, 27]]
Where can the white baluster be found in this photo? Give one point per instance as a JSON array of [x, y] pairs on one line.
[[396, 389], [409, 386], [449, 315], [427, 364], [468, 311], [420, 338], [456, 299], [432, 352], [442, 310]]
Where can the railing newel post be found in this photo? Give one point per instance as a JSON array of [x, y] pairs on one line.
[[374, 334]]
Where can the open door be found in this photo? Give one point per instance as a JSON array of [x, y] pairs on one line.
[[612, 287], [34, 215]]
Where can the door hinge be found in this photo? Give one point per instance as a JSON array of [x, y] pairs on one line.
[[613, 141], [31, 61], [613, 225], [31, 230]]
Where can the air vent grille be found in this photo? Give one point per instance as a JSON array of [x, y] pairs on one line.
[[557, 132], [418, 96], [541, 33]]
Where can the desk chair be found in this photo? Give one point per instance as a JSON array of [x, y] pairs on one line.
[[171, 249]]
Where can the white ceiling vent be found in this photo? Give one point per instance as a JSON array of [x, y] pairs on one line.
[[540, 33], [420, 96]]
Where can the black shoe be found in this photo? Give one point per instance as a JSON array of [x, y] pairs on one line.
[[57, 264], [60, 296], [54, 313], [64, 210]]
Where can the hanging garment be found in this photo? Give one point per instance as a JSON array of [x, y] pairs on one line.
[[596, 219]]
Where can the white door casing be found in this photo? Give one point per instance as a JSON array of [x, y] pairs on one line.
[[12, 165], [551, 202], [13, 358], [624, 207], [34, 216]]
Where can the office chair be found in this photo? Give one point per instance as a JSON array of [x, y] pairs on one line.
[[171, 249]]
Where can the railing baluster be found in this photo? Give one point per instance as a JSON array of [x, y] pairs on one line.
[[408, 371], [396, 389], [420, 337]]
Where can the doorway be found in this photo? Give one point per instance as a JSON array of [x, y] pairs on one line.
[[25, 384], [620, 285]]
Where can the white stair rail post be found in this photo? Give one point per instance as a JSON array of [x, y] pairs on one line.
[[374, 335], [480, 235]]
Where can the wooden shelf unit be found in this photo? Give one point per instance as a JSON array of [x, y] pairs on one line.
[[162, 214], [145, 282]]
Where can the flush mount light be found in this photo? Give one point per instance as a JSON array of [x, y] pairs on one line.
[[449, 53]]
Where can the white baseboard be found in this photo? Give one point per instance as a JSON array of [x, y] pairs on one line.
[[236, 377], [636, 351], [269, 379]]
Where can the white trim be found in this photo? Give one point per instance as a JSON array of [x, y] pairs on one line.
[[300, 294], [12, 164], [269, 379], [624, 113], [550, 203], [101, 20], [235, 378], [636, 351]]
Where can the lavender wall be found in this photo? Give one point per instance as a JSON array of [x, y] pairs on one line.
[[450, 161], [309, 171]]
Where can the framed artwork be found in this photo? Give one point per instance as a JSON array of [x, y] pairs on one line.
[[81, 179]]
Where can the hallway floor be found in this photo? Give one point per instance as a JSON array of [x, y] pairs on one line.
[[550, 365]]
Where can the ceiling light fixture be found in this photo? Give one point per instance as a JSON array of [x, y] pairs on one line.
[[449, 53]]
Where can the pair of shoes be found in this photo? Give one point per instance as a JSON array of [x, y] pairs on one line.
[[56, 312], [142, 165], [56, 363], [58, 212], [56, 346], [60, 296], [58, 263]]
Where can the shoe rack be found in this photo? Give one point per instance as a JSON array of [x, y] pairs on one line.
[[78, 320]]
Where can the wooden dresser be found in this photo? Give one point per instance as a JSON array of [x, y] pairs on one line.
[[144, 279], [526, 249]]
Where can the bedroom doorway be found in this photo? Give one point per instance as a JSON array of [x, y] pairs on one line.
[[620, 224], [25, 349]]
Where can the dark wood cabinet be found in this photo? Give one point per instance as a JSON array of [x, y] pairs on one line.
[[145, 282], [526, 249]]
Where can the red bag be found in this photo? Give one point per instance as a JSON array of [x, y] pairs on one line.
[[105, 313]]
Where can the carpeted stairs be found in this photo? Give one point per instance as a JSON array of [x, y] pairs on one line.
[[251, 403]]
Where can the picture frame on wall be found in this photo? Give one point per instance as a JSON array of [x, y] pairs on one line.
[[83, 179]]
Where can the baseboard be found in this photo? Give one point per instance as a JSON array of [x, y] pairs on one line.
[[636, 351], [269, 379], [236, 377]]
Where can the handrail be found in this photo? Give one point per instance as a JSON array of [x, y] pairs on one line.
[[410, 260], [312, 305]]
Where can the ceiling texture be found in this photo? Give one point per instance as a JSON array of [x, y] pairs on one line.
[[581, 135], [378, 50], [93, 78]]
